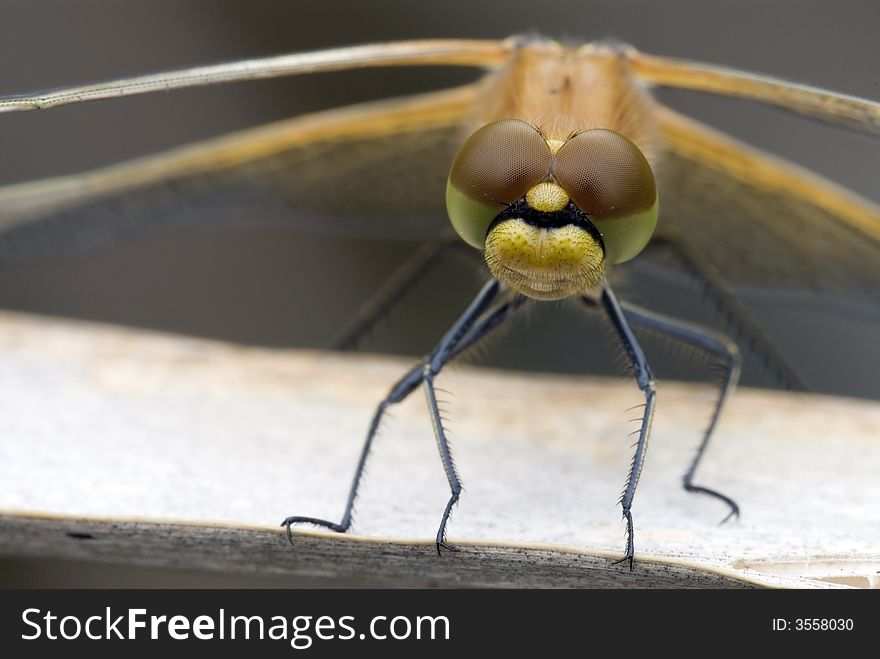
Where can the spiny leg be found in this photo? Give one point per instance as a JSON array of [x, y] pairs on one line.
[[441, 355], [482, 322], [736, 315], [401, 389], [645, 380], [727, 355], [393, 289], [429, 369]]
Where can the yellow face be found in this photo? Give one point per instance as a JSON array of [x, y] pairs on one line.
[[549, 215]]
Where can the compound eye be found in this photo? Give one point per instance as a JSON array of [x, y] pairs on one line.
[[609, 179], [495, 167]]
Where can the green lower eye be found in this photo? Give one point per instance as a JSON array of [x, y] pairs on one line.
[[624, 237], [470, 218]]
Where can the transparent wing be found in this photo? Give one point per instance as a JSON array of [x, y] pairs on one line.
[[375, 170], [855, 113], [763, 222], [429, 52]]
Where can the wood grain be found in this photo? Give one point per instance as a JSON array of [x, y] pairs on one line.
[[138, 448]]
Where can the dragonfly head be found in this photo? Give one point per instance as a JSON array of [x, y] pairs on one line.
[[551, 215]]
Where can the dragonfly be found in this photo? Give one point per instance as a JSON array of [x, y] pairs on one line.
[[559, 167]]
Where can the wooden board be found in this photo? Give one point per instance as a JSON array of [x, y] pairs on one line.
[[138, 448]]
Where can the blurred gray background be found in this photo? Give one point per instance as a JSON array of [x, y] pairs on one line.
[[259, 286]]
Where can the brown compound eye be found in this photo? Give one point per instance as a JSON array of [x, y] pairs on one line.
[[609, 179], [495, 167]]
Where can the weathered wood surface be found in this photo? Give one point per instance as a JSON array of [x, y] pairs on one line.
[[132, 447]]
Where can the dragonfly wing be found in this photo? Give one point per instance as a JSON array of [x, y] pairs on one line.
[[376, 170], [427, 52], [841, 109], [764, 222]]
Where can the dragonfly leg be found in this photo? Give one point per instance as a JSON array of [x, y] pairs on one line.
[[645, 380], [393, 289], [736, 315], [724, 351], [401, 389], [463, 329], [482, 321]]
